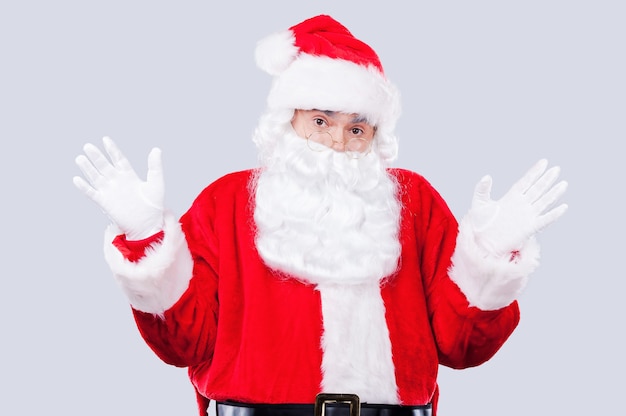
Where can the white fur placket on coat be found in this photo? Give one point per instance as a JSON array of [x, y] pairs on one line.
[[356, 345]]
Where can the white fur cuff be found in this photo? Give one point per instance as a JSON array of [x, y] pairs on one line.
[[155, 282], [490, 282]]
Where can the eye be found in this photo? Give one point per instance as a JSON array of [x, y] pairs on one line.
[[319, 122], [356, 131]]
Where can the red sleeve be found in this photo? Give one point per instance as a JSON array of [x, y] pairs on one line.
[[465, 336], [135, 250], [184, 335]]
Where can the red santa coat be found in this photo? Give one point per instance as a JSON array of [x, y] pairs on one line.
[[248, 334]]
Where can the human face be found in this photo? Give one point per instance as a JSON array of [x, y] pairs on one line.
[[338, 131]]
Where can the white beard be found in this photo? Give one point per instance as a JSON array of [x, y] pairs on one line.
[[331, 221], [324, 218]]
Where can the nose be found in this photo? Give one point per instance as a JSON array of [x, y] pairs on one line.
[[339, 141]]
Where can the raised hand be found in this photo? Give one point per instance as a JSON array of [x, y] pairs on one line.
[[503, 226], [134, 205]]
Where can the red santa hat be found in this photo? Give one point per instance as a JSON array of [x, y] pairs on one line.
[[319, 64]]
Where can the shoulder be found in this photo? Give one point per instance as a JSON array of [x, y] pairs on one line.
[[225, 191], [412, 183], [417, 193], [234, 182], [407, 177]]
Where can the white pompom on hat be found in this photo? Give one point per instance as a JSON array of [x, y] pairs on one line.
[[319, 64]]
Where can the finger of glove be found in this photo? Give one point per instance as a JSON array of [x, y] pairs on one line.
[[482, 191], [117, 157], [530, 177], [92, 174], [155, 167], [549, 198], [543, 184], [97, 158], [153, 191], [85, 188], [550, 217]]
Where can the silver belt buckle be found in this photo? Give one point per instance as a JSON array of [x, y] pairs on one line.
[[324, 398]]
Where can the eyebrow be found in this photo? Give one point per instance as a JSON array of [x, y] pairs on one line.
[[357, 119], [360, 119]]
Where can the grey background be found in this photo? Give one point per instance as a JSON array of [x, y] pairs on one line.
[[488, 87]]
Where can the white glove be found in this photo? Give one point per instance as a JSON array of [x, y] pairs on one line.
[[135, 206], [502, 227]]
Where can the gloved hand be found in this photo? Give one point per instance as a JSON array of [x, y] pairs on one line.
[[135, 206], [503, 226]]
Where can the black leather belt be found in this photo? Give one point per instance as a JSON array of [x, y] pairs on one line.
[[325, 405]]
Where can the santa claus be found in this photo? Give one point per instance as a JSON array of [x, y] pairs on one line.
[[325, 273]]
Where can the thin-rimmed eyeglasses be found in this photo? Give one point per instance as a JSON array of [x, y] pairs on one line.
[[354, 148]]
